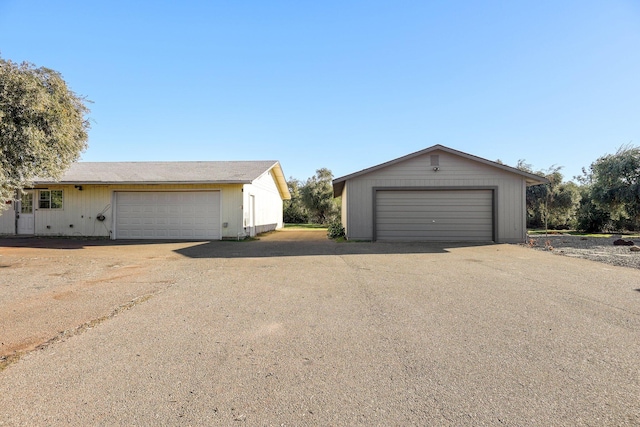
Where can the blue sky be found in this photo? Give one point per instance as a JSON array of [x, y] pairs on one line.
[[342, 84]]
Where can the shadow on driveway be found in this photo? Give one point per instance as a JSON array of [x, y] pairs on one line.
[[74, 242], [308, 243], [287, 243]]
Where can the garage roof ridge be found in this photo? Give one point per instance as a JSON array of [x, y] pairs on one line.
[[531, 179]]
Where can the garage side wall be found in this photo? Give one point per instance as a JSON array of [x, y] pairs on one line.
[[8, 219], [453, 171], [268, 204], [81, 207], [78, 214]]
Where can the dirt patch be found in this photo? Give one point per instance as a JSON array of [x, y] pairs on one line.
[[53, 288]]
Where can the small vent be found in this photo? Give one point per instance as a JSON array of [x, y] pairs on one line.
[[435, 160]]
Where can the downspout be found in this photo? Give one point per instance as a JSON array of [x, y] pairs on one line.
[[525, 234], [16, 213]]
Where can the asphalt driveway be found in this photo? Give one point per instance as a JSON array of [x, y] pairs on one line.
[[297, 330]]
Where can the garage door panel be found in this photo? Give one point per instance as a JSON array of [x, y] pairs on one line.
[[439, 214], [433, 232], [437, 235], [413, 200], [480, 228], [168, 215], [436, 215], [430, 216], [415, 205], [409, 225], [433, 204], [453, 195]]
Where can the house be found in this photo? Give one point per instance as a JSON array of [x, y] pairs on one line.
[[436, 194], [153, 200]]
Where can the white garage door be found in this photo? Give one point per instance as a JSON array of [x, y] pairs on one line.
[[168, 215], [434, 215]]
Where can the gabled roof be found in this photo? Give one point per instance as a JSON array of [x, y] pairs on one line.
[[531, 179], [232, 172]]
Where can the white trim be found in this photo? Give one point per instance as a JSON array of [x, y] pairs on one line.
[[18, 210]]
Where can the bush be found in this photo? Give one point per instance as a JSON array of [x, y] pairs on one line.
[[335, 230], [293, 214]]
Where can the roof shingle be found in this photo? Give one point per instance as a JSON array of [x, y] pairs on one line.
[[221, 172]]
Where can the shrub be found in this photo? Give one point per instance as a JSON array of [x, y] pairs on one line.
[[335, 230], [293, 214]]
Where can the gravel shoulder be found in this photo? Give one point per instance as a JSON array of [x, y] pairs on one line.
[[599, 249]]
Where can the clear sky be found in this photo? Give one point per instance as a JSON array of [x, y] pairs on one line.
[[342, 84]]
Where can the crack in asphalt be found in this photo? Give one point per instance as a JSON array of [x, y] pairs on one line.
[[6, 361]]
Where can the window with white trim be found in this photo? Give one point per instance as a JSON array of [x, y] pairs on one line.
[[50, 199], [26, 205]]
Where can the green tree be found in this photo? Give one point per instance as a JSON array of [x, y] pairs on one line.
[[553, 205], [615, 184], [317, 196], [43, 128], [294, 210], [591, 217]]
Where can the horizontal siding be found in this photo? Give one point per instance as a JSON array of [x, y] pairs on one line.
[[454, 171], [78, 216], [449, 166], [8, 219]]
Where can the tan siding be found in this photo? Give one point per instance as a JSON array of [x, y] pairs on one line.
[[8, 219], [454, 171], [81, 208], [78, 214]]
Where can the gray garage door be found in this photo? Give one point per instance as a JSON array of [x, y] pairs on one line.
[[168, 215], [434, 215]]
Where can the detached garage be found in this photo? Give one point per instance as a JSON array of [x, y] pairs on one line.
[[153, 200], [437, 194]]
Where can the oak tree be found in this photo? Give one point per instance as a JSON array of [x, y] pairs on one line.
[[317, 197], [615, 184], [294, 210], [43, 126]]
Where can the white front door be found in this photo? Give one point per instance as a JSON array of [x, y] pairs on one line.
[[26, 219]]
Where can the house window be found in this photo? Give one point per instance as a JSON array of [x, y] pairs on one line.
[[26, 207], [50, 199]]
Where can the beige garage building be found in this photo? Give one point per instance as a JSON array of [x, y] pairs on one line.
[[153, 200], [436, 194]]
